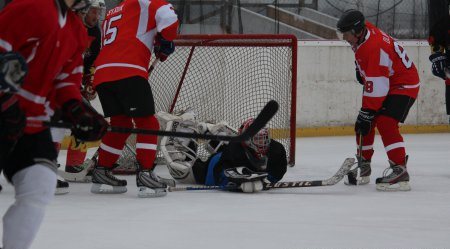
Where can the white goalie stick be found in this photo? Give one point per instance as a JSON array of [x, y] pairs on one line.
[[337, 177], [261, 120]]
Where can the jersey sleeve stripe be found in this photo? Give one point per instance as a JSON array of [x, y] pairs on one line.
[[380, 87], [165, 16], [63, 84], [5, 45], [32, 97], [77, 70], [146, 37]]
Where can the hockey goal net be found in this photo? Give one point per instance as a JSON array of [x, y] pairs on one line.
[[230, 78]]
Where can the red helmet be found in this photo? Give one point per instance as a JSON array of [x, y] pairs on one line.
[[259, 143]]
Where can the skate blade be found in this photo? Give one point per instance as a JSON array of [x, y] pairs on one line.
[[61, 191], [400, 186], [107, 189], [144, 192], [353, 182]]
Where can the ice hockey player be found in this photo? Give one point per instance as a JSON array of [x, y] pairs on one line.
[[391, 85], [131, 31], [76, 151], [52, 41], [439, 40], [245, 165]]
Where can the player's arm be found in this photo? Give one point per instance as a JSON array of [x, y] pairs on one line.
[[439, 38], [439, 24], [167, 28], [88, 124], [376, 88]]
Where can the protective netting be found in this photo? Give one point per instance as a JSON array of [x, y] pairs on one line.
[[227, 78], [230, 78]]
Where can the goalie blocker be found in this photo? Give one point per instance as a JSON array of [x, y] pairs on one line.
[[246, 166]]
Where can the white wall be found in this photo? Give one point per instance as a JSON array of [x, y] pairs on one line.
[[329, 95]]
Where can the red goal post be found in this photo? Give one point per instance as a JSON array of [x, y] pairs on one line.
[[230, 78]]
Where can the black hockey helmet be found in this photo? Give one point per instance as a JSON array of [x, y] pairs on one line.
[[351, 20]]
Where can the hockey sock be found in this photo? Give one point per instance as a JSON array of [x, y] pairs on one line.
[[367, 145], [392, 140], [146, 145], [112, 143], [76, 152], [35, 188]]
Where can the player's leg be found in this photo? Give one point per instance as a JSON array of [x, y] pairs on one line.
[[395, 109], [361, 174], [62, 187], [138, 103], [103, 180], [76, 153], [31, 169]]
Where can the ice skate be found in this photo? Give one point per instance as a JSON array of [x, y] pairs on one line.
[[150, 185], [359, 175], [104, 182], [62, 187], [395, 178]]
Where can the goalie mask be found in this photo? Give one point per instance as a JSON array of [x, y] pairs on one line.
[[259, 143]]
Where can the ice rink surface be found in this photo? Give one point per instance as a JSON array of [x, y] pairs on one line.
[[325, 217]]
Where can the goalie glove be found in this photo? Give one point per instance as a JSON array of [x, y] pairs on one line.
[[247, 180]]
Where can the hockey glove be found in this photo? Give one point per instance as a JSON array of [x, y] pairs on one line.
[[364, 121], [13, 69], [438, 64], [162, 47], [247, 180], [88, 125]]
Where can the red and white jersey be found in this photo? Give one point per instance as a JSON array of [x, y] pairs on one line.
[[385, 67], [129, 31], [52, 44]]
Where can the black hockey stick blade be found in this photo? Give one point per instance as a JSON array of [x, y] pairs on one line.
[[269, 110], [337, 177]]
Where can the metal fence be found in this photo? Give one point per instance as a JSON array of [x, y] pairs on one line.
[[406, 19], [400, 18]]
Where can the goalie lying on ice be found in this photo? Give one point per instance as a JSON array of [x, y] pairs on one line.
[[245, 165]]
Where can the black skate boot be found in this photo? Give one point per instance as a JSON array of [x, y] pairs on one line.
[[359, 175], [395, 178], [62, 187], [149, 184], [102, 178]]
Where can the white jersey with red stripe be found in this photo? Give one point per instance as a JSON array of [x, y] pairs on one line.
[[52, 44], [385, 67], [129, 31]]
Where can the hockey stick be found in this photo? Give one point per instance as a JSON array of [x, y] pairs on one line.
[[82, 175], [337, 177], [261, 120]]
